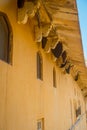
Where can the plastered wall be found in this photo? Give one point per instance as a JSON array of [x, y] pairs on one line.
[[23, 98]]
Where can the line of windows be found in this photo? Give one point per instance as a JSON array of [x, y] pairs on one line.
[[40, 69], [6, 47]]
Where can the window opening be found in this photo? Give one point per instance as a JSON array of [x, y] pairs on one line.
[[39, 66], [54, 78], [40, 124], [5, 39]]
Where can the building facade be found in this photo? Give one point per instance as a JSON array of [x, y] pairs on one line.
[[35, 93]]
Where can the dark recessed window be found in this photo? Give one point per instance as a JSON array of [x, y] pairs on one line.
[[54, 77], [5, 39], [39, 66]]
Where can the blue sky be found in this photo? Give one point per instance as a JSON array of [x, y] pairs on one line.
[[82, 10]]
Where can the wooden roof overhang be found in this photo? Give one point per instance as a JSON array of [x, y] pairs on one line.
[[57, 29]]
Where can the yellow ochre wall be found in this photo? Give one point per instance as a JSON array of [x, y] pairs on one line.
[[23, 98]]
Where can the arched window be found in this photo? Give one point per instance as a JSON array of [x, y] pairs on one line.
[[39, 66], [54, 77], [5, 39]]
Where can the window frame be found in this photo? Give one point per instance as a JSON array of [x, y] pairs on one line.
[[9, 46], [39, 66], [54, 78], [40, 124]]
